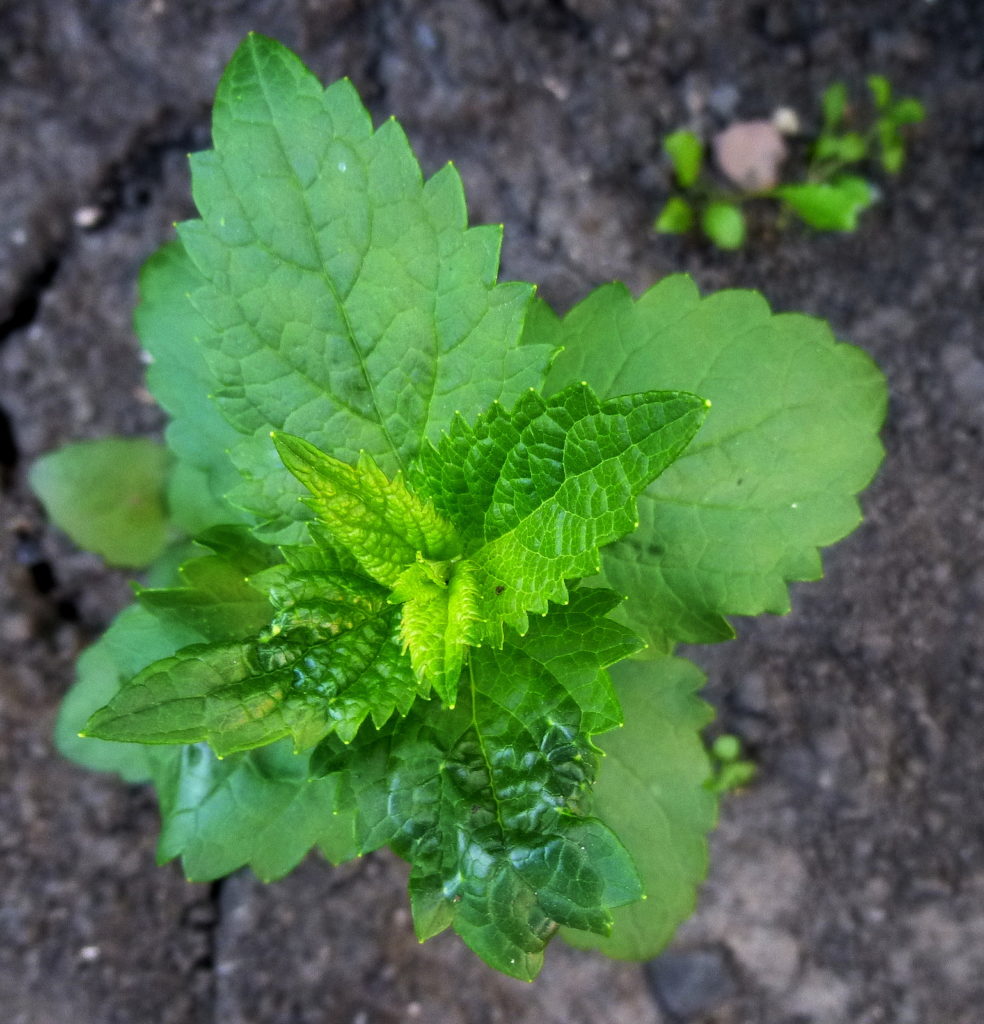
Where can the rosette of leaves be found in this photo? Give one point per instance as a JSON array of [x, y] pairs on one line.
[[426, 548]]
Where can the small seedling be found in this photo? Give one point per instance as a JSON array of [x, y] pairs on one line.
[[834, 189], [445, 540], [733, 771]]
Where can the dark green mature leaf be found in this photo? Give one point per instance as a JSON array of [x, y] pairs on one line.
[[488, 802], [790, 438], [378, 521], [653, 793], [537, 491], [576, 643], [259, 809], [330, 659], [337, 295], [108, 496]]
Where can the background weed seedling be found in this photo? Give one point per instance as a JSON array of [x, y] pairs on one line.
[[834, 190]]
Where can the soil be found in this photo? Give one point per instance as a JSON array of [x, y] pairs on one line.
[[847, 884]]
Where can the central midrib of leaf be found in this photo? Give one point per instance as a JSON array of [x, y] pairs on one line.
[[487, 761], [326, 276]]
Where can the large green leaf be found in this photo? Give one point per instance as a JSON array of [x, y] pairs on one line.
[[790, 438], [108, 496], [537, 491], [653, 792], [179, 378], [340, 297], [258, 809]]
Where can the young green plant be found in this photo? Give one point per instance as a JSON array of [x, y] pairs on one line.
[[445, 541], [832, 193]]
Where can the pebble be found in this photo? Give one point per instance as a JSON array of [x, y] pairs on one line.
[[691, 982]]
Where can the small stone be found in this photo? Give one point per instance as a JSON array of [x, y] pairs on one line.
[[771, 955], [786, 120], [87, 217], [750, 153], [691, 982]]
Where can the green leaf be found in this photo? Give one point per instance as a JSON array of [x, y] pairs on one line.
[[907, 111], [134, 640], [488, 803], [832, 206], [833, 103], [653, 793], [537, 491], [676, 217], [215, 600], [724, 224], [258, 809], [686, 153], [179, 379], [329, 659], [108, 496], [439, 621], [848, 148], [575, 643], [892, 146], [790, 438], [382, 524], [881, 91], [340, 296]]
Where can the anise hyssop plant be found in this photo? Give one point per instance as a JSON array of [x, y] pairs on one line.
[[444, 541]]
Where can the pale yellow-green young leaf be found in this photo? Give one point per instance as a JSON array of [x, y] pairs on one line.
[[440, 620], [378, 520]]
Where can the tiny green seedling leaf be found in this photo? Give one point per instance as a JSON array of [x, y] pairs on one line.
[[834, 104], [881, 91], [832, 206], [686, 153], [676, 217], [732, 770], [907, 111], [108, 496], [724, 224]]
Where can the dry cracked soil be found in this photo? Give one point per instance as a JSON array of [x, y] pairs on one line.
[[847, 884]]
